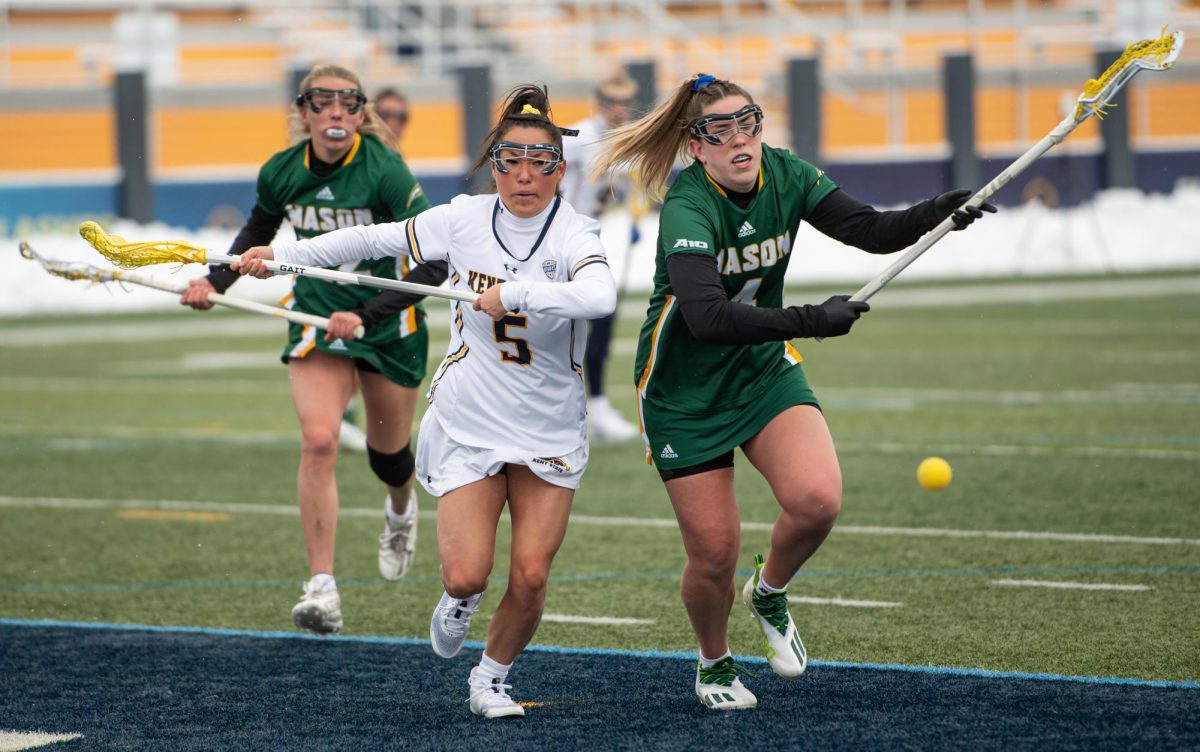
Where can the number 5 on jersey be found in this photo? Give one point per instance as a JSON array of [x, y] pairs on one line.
[[523, 356]]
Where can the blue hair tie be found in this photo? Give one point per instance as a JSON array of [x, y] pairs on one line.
[[703, 81]]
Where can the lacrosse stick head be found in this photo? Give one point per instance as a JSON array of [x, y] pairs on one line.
[[133, 255], [1148, 54], [67, 269]]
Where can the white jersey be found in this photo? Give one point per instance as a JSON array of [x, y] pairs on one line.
[[515, 383]]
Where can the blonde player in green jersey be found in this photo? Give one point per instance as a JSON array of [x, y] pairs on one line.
[[338, 174], [715, 369]]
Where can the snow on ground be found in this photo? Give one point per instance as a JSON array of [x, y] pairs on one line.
[[1121, 231]]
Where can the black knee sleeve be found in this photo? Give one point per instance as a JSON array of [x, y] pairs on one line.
[[392, 469]]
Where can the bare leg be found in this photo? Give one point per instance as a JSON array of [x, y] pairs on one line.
[[320, 384], [390, 408], [539, 521], [795, 453], [707, 512], [466, 530]]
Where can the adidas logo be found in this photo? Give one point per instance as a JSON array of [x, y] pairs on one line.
[[668, 453], [337, 344], [325, 194], [743, 231]]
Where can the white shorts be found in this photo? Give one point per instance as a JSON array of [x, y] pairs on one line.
[[444, 465]]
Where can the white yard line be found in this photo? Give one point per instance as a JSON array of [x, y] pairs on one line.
[[932, 296], [931, 532], [12, 741], [622, 621], [41, 502], [78, 436], [842, 602], [1071, 585], [1019, 450]]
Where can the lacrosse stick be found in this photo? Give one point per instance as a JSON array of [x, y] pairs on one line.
[[1148, 54], [133, 255], [80, 270]]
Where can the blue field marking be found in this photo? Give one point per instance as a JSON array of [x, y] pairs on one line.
[[131, 587], [599, 652]]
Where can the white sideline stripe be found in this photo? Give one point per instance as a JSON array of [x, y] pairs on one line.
[[1017, 450], [1071, 585], [50, 502], [11, 741], [842, 602], [615, 620], [935, 532], [235, 436], [932, 296]]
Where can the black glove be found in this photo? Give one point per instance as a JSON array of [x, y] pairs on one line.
[[834, 317], [950, 204]]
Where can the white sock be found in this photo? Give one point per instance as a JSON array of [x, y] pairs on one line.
[[493, 670], [323, 581], [762, 588], [708, 662], [396, 519]]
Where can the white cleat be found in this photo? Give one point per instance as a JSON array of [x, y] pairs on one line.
[[319, 610], [351, 437], [719, 687], [781, 642], [606, 425], [450, 623], [489, 697], [398, 544]]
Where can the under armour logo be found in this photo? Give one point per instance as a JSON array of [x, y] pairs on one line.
[[429, 479], [511, 269]]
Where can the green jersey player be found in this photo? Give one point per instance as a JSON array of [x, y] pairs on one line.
[[715, 369], [339, 174]]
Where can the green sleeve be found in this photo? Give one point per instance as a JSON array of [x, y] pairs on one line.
[[684, 227], [401, 192], [811, 181]]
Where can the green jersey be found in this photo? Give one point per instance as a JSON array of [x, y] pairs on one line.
[[751, 248], [372, 185]]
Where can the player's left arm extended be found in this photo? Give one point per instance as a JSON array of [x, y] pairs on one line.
[[591, 293], [846, 219]]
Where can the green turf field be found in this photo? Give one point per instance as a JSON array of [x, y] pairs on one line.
[[148, 477]]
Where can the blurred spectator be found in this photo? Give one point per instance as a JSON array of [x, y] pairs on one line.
[[392, 107], [614, 107]]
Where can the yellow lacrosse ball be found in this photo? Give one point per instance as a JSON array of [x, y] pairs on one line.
[[934, 473]]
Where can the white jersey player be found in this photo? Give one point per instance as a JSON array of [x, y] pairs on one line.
[[514, 383], [506, 422]]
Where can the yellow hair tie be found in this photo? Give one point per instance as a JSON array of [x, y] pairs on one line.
[[530, 110]]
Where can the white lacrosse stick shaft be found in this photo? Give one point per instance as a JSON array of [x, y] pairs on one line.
[[946, 225], [241, 304], [330, 275], [1089, 105]]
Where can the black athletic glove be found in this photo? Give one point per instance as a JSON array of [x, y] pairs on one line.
[[950, 204], [833, 318]]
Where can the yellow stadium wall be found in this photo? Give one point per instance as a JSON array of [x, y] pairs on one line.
[[186, 137]]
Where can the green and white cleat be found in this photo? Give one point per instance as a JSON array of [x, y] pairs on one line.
[[719, 687], [781, 643]]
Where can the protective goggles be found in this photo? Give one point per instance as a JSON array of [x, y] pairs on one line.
[[720, 129], [352, 100], [507, 155]]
